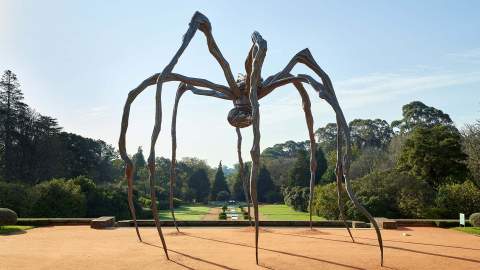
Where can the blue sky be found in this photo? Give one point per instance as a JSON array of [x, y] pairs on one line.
[[77, 60]]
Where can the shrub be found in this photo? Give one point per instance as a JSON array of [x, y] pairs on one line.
[[325, 201], [223, 196], [112, 201], [475, 219], [458, 198], [58, 198], [224, 208], [16, 197], [145, 202], [296, 197], [385, 194], [7, 217], [222, 215]]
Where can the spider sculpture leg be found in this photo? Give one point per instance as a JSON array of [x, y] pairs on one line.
[[258, 55], [242, 175], [297, 82], [339, 178], [198, 22], [327, 93], [173, 174], [313, 146], [129, 168]]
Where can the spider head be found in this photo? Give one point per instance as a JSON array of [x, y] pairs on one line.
[[240, 116]]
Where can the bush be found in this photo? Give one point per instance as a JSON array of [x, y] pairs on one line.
[[385, 194], [475, 219], [296, 197], [112, 201], [325, 201], [7, 217], [222, 215], [223, 196], [224, 208], [458, 198], [16, 197], [58, 198]]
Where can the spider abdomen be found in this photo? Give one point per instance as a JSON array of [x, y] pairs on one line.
[[240, 116]]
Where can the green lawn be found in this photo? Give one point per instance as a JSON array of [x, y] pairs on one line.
[[470, 230], [284, 212], [13, 229], [186, 212]]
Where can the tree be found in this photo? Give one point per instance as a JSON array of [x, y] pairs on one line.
[[287, 149], [11, 106], [138, 162], [370, 133], [299, 174], [471, 146], [434, 155], [327, 137], [322, 164], [370, 160], [416, 114], [219, 184], [199, 186], [265, 185]]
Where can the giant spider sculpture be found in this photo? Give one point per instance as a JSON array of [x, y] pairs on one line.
[[245, 93]]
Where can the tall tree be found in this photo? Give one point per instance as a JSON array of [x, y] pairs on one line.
[[11, 106], [219, 184], [434, 155], [417, 114], [471, 146], [265, 185], [299, 173], [138, 162], [199, 186]]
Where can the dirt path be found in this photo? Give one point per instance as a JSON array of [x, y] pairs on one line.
[[79, 247]]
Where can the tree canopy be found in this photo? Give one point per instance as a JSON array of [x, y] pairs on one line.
[[435, 155], [417, 114]]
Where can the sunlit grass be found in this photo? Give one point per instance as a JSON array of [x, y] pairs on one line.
[[12, 229], [186, 212], [470, 230], [284, 212]]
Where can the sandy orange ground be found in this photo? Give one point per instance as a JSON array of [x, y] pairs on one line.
[[79, 247]]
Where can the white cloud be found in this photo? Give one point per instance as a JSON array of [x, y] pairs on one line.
[[374, 88], [471, 56]]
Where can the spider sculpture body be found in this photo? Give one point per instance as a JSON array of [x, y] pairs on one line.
[[244, 94]]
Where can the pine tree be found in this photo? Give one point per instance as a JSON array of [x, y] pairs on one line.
[[219, 184], [11, 106]]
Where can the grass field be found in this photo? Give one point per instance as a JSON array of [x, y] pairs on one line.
[[470, 230], [284, 212], [5, 230], [186, 212]]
